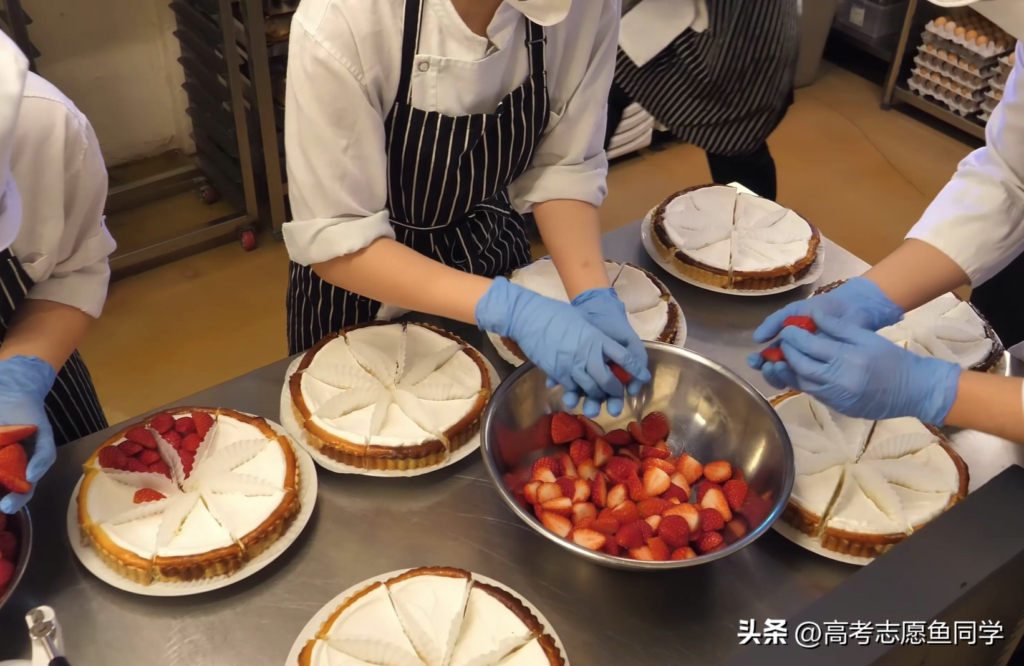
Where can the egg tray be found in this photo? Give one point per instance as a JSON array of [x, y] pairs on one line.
[[989, 50], [984, 116], [961, 64], [989, 105], [972, 58], [937, 92], [970, 100], [948, 71]]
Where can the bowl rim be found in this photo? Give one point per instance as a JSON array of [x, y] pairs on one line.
[[789, 472], [24, 551]]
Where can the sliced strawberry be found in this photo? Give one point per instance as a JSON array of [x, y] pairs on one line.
[[737, 474], [618, 438], [689, 513], [567, 485], [111, 457], [188, 459], [590, 539], [653, 452], [715, 499], [599, 491], [549, 491], [711, 520], [654, 426], [8, 546], [620, 373], [638, 434], [581, 511], [703, 489], [611, 547], [636, 489], [560, 525], [537, 511], [582, 491], [547, 463], [630, 454], [805, 323], [143, 495], [129, 448], [203, 422], [603, 452], [148, 457], [514, 481], [160, 467], [581, 450], [674, 492], [11, 434], [656, 481], [718, 472], [607, 526], [735, 493], [6, 574], [679, 479], [664, 465], [626, 512], [709, 541], [653, 522], [568, 466], [530, 491], [662, 445], [773, 355], [162, 423], [659, 549], [560, 505], [173, 438], [735, 530], [755, 509], [619, 469], [684, 553], [184, 425], [587, 470], [3, 522], [630, 535], [191, 442], [141, 436], [675, 531], [617, 495], [592, 430], [690, 468], [653, 507], [136, 465], [565, 428], [583, 523]]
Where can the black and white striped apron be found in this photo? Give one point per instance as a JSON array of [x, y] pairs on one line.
[[448, 179], [727, 88], [72, 405]]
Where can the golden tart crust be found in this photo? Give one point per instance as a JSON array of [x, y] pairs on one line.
[[386, 458]]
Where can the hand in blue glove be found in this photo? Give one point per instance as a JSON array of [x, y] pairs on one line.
[[555, 336], [857, 302], [24, 384], [861, 374], [603, 309]]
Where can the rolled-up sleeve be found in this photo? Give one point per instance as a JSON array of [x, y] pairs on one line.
[[570, 162], [334, 139], [978, 218]]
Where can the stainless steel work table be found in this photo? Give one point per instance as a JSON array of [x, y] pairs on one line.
[[363, 527]]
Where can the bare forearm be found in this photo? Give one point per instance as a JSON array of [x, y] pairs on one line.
[[47, 330], [989, 403], [916, 273], [389, 272], [572, 234]]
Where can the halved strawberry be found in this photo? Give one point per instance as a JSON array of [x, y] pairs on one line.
[[136, 465], [6, 573], [10, 434], [111, 457], [653, 452], [530, 491], [735, 493], [565, 428], [659, 549], [603, 452], [160, 467], [715, 499], [583, 523], [805, 323], [548, 491], [735, 530], [674, 492], [587, 470], [191, 442], [517, 479], [655, 426], [675, 531], [143, 495], [560, 525], [619, 469], [630, 535], [773, 355], [203, 422], [567, 485], [141, 436], [688, 512], [13, 462], [162, 423], [709, 541], [590, 539], [185, 425], [582, 491], [599, 491], [129, 448], [656, 481], [653, 522], [592, 430], [173, 438], [581, 450], [8, 545], [664, 465], [718, 472], [638, 434], [711, 520], [684, 553], [583, 510], [546, 463], [653, 507], [616, 496], [703, 489], [662, 445], [620, 373], [568, 466], [560, 505], [690, 468], [148, 457], [755, 509], [607, 525], [618, 438], [612, 548], [626, 512], [631, 453], [636, 489]]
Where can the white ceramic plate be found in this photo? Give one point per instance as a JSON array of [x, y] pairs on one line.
[[811, 544], [298, 435], [815, 272], [308, 632], [307, 499]]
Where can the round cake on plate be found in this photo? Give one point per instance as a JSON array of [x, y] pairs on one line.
[[192, 493], [387, 396], [863, 486], [434, 616], [724, 238]]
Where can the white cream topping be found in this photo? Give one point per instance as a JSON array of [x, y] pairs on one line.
[[813, 492], [395, 427], [946, 328], [369, 629], [531, 654], [325, 655], [490, 631], [431, 609]]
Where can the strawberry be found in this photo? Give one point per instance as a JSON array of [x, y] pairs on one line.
[[162, 423], [148, 457], [582, 491], [606, 513], [773, 355], [141, 436], [805, 323], [581, 450], [616, 496], [737, 474], [160, 467], [560, 525], [567, 485], [514, 481], [636, 489], [653, 452], [734, 530], [6, 574], [618, 438], [653, 507], [659, 549], [619, 469], [620, 373], [638, 434], [755, 509], [549, 464], [537, 511], [147, 495], [735, 493], [664, 465], [8, 546], [590, 539], [653, 522], [203, 422], [184, 425], [718, 472], [11, 434], [549, 491], [560, 505], [581, 511], [111, 457], [703, 489], [656, 481], [530, 491], [587, 470], [3, 522], [630, 535], [568, 466], [689, 513], [684, 553], [187, 460], [675, 531], [191, 442], [643, 554], [654, 426], [711, 520], [592, 430], [173, 438], [629, 453], [603, 452], [129, 448], [709, 541], [626, 512], [715, 499], [583, 523], [674, 492], [690, 468], [647, 530], [662, 445], [136, 465], [565, 428], [611, 547], [607, 526], [599, 491]]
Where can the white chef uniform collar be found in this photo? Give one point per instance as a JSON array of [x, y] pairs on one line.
[[543, 12], [13, 70]]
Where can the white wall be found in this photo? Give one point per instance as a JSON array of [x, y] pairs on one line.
[[117, 60]]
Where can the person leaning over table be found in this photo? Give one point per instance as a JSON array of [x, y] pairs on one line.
[[973, 229], [53, 263], [417, 133]]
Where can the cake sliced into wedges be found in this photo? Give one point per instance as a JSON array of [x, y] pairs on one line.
[[431, 604], [496, 623]]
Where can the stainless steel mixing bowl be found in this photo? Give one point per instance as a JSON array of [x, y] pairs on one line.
[[21, 525], [714, 415]]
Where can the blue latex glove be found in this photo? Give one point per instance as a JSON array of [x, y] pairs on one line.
[[24, 384], [603, 309], [857, 302], [859, 373], [555, 336]]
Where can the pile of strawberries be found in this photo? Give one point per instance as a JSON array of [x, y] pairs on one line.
[[622, 492], [13, 459], [8, 554], [138, 452]]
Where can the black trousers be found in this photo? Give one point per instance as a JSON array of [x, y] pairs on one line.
[[999, 301]]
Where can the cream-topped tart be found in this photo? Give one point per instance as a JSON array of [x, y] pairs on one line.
[[649, 306], [212, 491], [729, 239], [863, 486], [433, 616], [390, 396]]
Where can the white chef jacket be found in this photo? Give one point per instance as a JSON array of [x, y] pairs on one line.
[[62, 243], [343, 70]]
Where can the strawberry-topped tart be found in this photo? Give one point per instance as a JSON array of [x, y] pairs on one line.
[[192, 493]]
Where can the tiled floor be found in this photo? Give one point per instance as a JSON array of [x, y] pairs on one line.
[[863, 175]]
